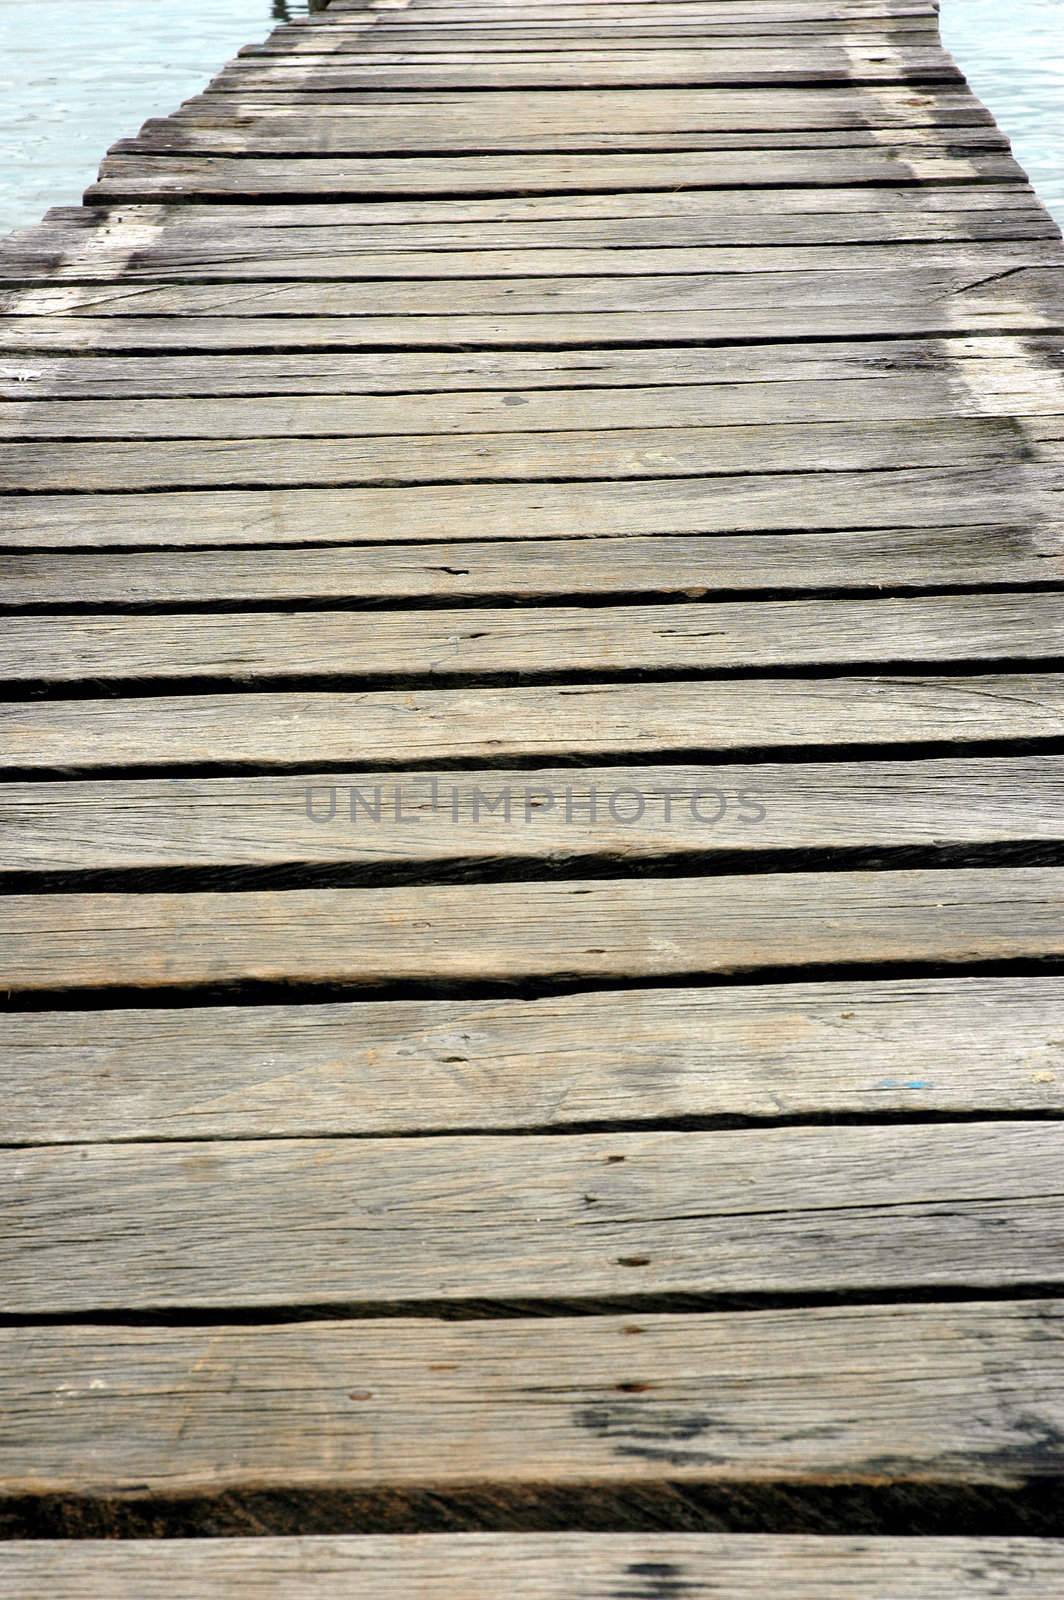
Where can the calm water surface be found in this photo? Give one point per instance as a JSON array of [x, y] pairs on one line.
[[77, 74]]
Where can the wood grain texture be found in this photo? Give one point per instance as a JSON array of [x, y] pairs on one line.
[[502, 932], [600, 69], [143, 177], [368, 1222], [535, 1567], [297, 729], [931, 1394], [899, 241], [1018, 389], [543, 113], [491, 457], [960, 361], [876, 559], [561, 39], [759, 1052], [1022, 313], [629, 815], [484, 295], [749, 502], [369, 645]]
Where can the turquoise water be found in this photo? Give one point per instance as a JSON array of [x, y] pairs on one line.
[[77, 74], [1013, 54]]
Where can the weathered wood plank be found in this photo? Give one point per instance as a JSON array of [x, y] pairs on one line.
[[938, 1394], [301, 134], [486, 213], [318, 254], [876, 559], [605, 69], [612, 453], [620, 452], [888, 242], [541, 119], [1024, 311], [628, 815], [504, 1218], [296, 729], [374, 645], [929, 497], [970, 361], [320, 135], [75, 237], [502, 932], [599, 11], [488, 293], [1019, 388], [297, 43], [758, 1052], [541, 114], [535, 1567], [145, 178], [567, 293]]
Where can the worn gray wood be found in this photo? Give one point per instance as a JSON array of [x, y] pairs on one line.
[[297, 43], [921, 498], [144, 177], [297, 729], [758, 1052], [1020, 388], [583, 453], [501, 932], [703, 567], [940, 1394], [305, 257], [368, 645], [623, 814], [603, 68], [164, 251], [302, 134], [503, 1218], [1039, 283], [535, 112], [535, 1567], [975, 363], [1026, 310]]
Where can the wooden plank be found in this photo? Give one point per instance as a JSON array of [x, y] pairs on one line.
[[413, 372], [888, 242], [759, 1052], [940, 1394], [1029, 311], [145, 178], [602, 12], [296, 729], [372, 645], [487, 294], [876, 559], [626, 815], [605, 69], [924, 498], [502, 932], [319, 44], [1008, 389], [319, 135], [626, 112], [535, 1567], [612, 453], [654, 218], [510, 1218]]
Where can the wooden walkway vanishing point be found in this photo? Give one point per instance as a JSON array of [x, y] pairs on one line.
[[533, 838]]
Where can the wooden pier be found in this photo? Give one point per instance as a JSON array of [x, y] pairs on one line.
[[533, 834]]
